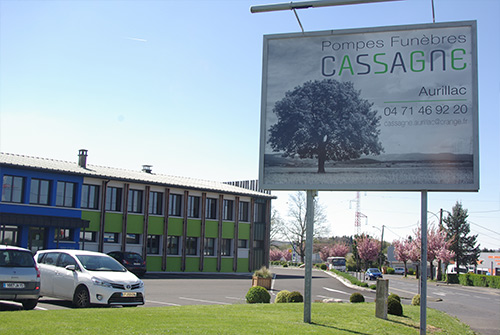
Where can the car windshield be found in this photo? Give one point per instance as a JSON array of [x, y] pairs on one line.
[[100, 263], [373, 270], [16, 258]]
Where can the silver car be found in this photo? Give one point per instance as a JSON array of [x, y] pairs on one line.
[[19, 276]]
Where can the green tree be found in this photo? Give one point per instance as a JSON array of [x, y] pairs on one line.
[[327, 120], [463, 244]]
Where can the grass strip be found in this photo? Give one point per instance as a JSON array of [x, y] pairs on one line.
[[227, 319]]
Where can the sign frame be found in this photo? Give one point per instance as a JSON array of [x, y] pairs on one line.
[[285, 177]]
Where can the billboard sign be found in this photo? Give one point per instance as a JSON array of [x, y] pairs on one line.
[[388, 108]]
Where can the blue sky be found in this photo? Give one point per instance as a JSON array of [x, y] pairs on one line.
[[177, 84]]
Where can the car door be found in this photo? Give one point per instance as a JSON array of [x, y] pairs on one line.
[[47, 266], [65, 280]]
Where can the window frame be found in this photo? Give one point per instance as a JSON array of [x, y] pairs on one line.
[[194, 202], [13, 191], [39, 194], [226, 247], [191, 245], [209, 247], [228, 210], [134, 204], [155, 203], [67, 198], [175, 205], [243, 211], [113, 199], [153, 244], [212, 209], [90, 194], [173, 246]]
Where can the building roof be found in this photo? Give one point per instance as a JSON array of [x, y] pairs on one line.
[[52, 165]]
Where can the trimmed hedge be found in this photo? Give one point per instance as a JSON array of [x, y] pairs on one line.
[[258, 295], [471, 279], [282, 297], [295, 296], [356, 297], [394, 307]]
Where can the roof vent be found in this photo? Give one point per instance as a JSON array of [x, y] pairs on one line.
[[147, 168], [82, 158]]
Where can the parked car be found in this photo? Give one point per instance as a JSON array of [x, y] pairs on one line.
[[19, 276], [399, 271], [373, 274], [87, 277], [130, 260]]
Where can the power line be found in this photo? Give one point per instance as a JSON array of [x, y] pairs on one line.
[[484, 227]]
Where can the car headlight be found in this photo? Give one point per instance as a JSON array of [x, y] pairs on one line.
[[141, 283], [100, 282]]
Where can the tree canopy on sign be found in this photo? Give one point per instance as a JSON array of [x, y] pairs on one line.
[[327, 120]]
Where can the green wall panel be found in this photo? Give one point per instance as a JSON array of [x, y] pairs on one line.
[[153, 263], [242, 265], [94, 218], [135, 224], [173, 264], [228, 230], [113, 223], [211, 229], [194, 228], [226, 265], [175, 227], [155, 226], [210, 265], [192, 264], [244, 231]]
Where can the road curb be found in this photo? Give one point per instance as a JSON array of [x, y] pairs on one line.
[[348, 283]]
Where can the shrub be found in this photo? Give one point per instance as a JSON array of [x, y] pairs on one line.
[[258, 295], [411, 271], [356, 297], [390, 271], [493, 281], [282, 296], [373, 286], [394, 296], [324, 267], [263, 272], [415, 301], [295, 296], [394, 307]]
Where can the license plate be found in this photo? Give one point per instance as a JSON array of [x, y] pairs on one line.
[[13, 285], [137, 264], [129, 294]]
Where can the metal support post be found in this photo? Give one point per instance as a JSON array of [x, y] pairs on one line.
[[423, 265], [309, 250]]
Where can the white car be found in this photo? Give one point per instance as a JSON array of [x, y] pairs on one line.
[[399, 271], [87, 277]]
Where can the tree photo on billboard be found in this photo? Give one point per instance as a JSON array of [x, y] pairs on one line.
[[386, 108]]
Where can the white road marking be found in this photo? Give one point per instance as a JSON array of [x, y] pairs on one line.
[[332, 290], [207, 301], [162, 303]]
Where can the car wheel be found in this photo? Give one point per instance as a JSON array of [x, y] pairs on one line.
[[29, 304], [81, 298]]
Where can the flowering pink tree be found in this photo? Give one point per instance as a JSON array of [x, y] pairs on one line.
[[337, 250], [368, 249], [278, 255], [402, 251], [437, 246]]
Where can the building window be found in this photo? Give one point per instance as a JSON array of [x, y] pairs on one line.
[[244, 209], [242, 244], [133, 238], [8, 235], [114, 199], [209, 247], [65, 194], [153, 244], [90, 196], [88, 236], [211, 209], [12, 189], [193, 206], [175, 208], [172, 245], [134, 201], [39, 192], [225, 247], [260, 212], [228, 210], [155, 203], [191, 246], [63, 235], [111, 238]]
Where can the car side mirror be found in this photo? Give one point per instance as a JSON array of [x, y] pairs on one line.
[[70, 267]]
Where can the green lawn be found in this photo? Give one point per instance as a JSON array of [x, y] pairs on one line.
[[227, 319]]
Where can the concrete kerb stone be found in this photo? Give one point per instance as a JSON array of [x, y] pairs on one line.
[[348, 283]]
